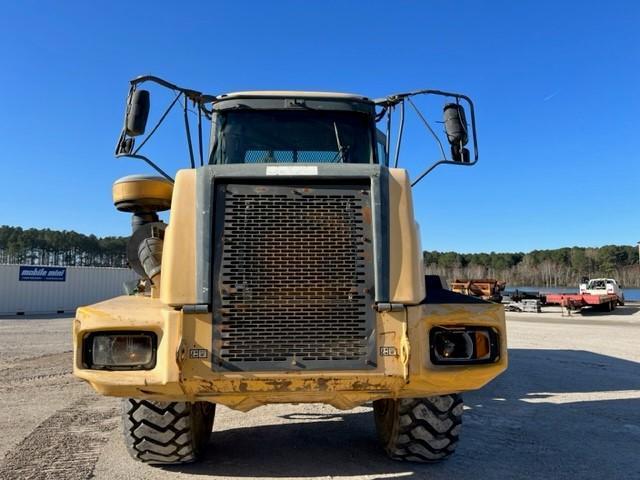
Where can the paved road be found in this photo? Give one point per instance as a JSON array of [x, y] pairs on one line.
[[569, 407]]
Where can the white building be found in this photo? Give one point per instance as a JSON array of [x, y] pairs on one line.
[[26, 289]]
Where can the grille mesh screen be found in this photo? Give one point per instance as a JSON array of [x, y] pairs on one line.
[[293, 277]]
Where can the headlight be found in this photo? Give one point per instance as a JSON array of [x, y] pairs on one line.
[[120, 350], [463, 345]]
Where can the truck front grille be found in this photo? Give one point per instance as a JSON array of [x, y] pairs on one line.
[[293, 278]]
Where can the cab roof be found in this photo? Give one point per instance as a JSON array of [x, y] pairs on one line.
[[294, 100], [292, 94]]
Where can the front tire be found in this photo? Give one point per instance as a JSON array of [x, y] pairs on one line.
[[419, 429], [166, 433]]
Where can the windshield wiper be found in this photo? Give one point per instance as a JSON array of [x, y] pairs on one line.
[[342, 150]]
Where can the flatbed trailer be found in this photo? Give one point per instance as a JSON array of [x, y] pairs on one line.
[[575, 301]]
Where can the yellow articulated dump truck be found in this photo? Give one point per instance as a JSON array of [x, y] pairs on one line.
[[290, 271]]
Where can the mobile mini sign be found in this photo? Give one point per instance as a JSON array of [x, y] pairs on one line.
[[42, 274]]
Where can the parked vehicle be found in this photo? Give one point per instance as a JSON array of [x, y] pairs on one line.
[[603, 293], [599, 286]]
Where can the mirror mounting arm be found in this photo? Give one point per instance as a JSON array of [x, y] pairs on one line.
[[437, 164], [200, 137], [148, 161], [194, 95], [388, 104], [400, 131], [387, 143], [187, 129]]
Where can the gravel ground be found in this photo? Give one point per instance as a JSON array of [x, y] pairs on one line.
[[568, 407]]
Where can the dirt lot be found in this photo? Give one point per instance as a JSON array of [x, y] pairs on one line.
[[568, 407]]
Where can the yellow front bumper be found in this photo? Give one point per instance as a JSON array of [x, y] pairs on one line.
[[176, 377]]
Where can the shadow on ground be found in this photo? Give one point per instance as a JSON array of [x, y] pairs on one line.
[[619, 311], [554, 414]]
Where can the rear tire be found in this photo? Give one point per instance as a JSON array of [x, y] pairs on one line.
[[419, 429], [166, 433]]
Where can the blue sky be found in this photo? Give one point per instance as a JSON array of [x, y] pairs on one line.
[[555, 86]]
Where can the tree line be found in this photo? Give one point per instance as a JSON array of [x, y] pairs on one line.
[[561, 267], [546, 268], [34, 246]]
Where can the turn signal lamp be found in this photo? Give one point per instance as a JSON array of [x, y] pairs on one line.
[[463, 345], [120, 350]]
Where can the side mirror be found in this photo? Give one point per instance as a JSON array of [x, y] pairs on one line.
[[455, 125], [138, 112]]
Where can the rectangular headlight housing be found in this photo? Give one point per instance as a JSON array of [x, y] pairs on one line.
[[120, 350], [463, 345]]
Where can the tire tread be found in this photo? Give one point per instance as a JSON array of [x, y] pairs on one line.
[[162, 433], [424, 429]]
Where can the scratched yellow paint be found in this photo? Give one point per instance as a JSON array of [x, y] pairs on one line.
[[177, 377]]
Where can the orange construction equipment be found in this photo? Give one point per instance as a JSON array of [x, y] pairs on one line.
[[484, 288]]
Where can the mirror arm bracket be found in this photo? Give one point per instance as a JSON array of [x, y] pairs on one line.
[[200, 137], [187, 129], [391, 101], [387, 143], [191, 94], [438, 163], [148, 161], [153, 130], [400, 132]]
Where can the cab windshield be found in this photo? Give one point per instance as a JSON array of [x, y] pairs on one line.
[[301, 136]]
